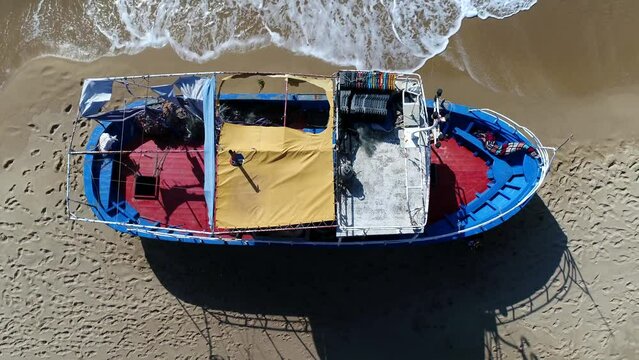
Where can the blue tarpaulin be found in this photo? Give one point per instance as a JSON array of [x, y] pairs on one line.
[[165, 92], [209, 146], [95, 93], [193, 90], [198, 95]]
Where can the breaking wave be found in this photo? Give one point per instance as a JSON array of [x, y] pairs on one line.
[[378, 34]]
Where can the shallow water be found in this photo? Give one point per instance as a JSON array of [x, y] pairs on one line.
[[559, 48], [384, 34]]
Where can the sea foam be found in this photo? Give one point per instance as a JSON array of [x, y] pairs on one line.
[[382, 34]]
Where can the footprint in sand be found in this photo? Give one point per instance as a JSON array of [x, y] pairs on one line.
[[7, 164], [7, 226], [57, 157], [47, 71], [35, 152], [68, 108], [53, 128]]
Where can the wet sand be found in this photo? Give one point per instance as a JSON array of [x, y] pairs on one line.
[[559, 280]]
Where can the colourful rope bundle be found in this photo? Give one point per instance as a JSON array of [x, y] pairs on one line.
[[372, 80], [505, 148]]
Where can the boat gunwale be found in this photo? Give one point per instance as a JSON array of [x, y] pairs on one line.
[[194, 236]]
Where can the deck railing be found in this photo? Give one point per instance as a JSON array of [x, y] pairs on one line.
[[547, 155], [424, 157], [543, 150], [545, 161]]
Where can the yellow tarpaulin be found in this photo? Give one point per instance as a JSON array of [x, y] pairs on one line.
[[286, 178]]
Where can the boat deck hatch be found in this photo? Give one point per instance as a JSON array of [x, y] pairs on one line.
[[146, 187]]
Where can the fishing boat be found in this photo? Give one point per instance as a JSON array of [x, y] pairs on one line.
[[358, 158]]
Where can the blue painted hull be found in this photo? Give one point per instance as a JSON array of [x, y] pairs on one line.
[[513, 180]]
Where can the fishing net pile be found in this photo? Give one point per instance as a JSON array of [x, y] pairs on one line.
[[171, 125]]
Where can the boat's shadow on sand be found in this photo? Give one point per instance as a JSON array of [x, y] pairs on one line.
[[439, 301]]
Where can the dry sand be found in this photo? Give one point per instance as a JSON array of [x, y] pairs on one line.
[[559, 280]]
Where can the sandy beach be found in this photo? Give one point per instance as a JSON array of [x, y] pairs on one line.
[[559, 280]]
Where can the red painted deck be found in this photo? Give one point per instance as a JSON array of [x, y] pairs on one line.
[[180, 200], [457, 175]]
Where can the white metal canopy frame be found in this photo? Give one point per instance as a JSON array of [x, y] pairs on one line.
[[78, 209], [406, 83]]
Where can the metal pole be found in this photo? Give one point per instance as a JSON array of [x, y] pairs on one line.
[[117, 198], [285, 99], [232, 73], [89, 152]]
